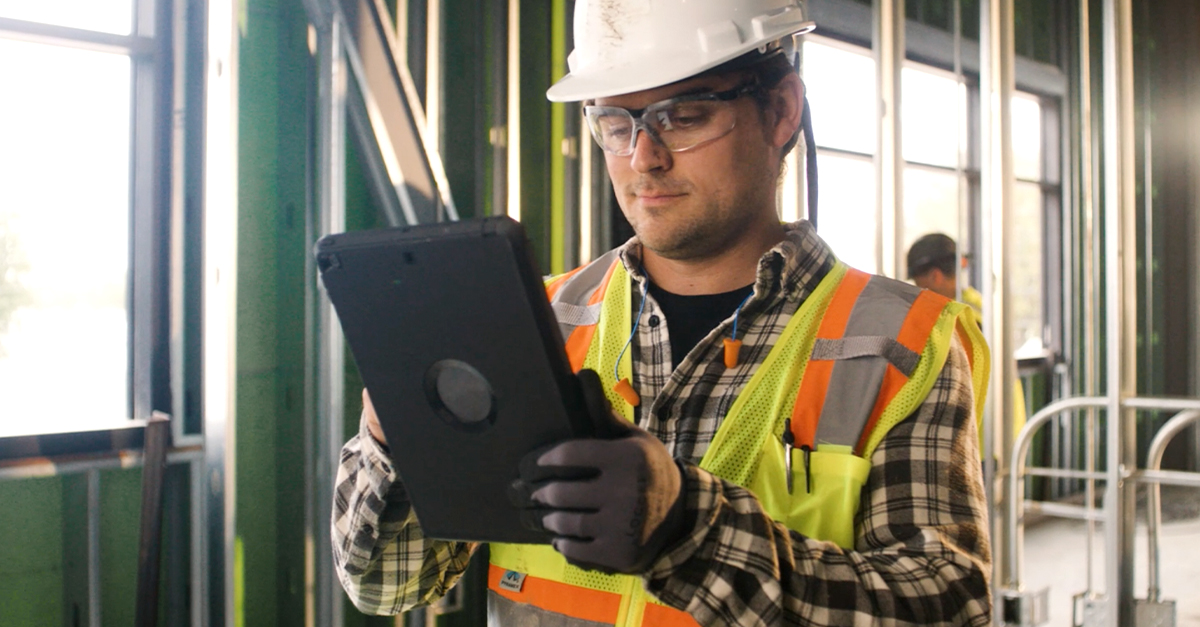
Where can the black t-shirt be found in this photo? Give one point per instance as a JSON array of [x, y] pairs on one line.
[[690, 318]]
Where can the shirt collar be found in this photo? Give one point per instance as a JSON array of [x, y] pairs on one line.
[[792, 268]]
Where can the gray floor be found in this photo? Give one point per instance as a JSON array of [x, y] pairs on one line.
[[1056, 557]]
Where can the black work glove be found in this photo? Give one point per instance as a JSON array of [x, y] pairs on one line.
[[611, 504]]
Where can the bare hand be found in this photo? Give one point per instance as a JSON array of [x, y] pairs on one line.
[[372, 419]]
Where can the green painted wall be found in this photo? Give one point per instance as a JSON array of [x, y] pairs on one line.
[[257, 309], [31, 554], [43, 579], [273, 84]]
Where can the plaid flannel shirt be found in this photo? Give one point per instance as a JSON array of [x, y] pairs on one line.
[[921, 555]]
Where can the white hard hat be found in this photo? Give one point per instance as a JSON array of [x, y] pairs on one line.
[[623, 46]]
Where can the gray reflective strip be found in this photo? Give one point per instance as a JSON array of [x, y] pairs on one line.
[[575, 315], [854, 383], [576, 291], [503, 612], [897, 354]]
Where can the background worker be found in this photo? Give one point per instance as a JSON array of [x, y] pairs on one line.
[[933, 264], [799, 438]]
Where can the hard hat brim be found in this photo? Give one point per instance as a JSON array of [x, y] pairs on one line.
[[617, 80]]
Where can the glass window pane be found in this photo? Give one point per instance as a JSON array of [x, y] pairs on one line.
[[930, 205], [846, 203], [1027, 137], [934, 105], [1025, 267], [841, 92], [108, 16], [64, 236]]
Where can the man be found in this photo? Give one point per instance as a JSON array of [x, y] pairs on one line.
[[933, 265], [805, 440]]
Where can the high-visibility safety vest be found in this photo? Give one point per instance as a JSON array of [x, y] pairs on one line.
[[855, 332]]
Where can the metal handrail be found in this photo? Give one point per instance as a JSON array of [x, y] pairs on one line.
[[1016, 467], [1187, 407], [1158, 446]]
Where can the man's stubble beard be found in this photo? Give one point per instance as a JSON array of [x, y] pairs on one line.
[[700, 236]]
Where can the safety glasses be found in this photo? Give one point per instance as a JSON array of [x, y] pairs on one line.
[[679, 124]]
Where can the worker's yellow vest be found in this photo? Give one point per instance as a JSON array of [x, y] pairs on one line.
[[820, 366]]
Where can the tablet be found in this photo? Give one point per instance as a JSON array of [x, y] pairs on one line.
[[455, 340]]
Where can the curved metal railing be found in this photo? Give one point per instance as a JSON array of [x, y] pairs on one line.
[[1158, 446], [1189, 412], [1016, 523]]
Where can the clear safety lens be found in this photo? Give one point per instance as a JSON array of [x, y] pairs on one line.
[[678, 124]]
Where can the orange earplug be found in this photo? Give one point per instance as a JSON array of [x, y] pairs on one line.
[[627, 392], [731, 352]]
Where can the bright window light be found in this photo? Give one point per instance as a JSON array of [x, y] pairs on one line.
[[934, 105], [841, 92], [930, 204], [846, 200], [64, 237], [1027, 137], [1026, 270], [108, 16]]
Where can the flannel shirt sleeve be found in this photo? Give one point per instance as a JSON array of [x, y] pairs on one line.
[[922, 554], [384, 561]]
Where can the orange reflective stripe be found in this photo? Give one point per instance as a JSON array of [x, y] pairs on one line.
[[922, 316], [810, 399], [662, 616], [833, 323], [561, 598], [559, 281], [968, 345], [914, 334], [893, 380], [581, 338], [577, 345]]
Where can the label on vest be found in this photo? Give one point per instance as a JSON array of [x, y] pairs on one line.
[[512, 581]]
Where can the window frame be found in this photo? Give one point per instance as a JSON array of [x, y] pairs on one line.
[[848, 24], [155, 202]]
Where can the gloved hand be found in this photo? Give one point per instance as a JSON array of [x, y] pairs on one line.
[[611, 504]]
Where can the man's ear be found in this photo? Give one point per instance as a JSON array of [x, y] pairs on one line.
[[787, 102]]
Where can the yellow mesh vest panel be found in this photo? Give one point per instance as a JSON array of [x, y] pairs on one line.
[[767, 399]]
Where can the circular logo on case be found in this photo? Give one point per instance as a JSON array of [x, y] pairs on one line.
[[460, 395]]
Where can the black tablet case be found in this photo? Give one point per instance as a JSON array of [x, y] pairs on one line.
[[456, 342]]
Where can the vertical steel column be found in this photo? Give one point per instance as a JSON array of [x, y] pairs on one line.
[[152, 101], [587, 193], [1146, 98], [963, 232], [497, 68], [1091, 268], [888, 45], [1120, 307], [199, 539], [324, 396], [513, 126], [996, 168], [220, 315], [433, 77], [93, 547]]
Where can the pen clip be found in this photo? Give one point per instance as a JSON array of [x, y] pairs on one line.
[[789, 442]]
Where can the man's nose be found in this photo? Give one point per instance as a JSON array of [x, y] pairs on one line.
[[648, 153]]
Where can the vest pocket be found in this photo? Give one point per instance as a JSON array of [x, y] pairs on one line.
[[827, 513], [823, 508]]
